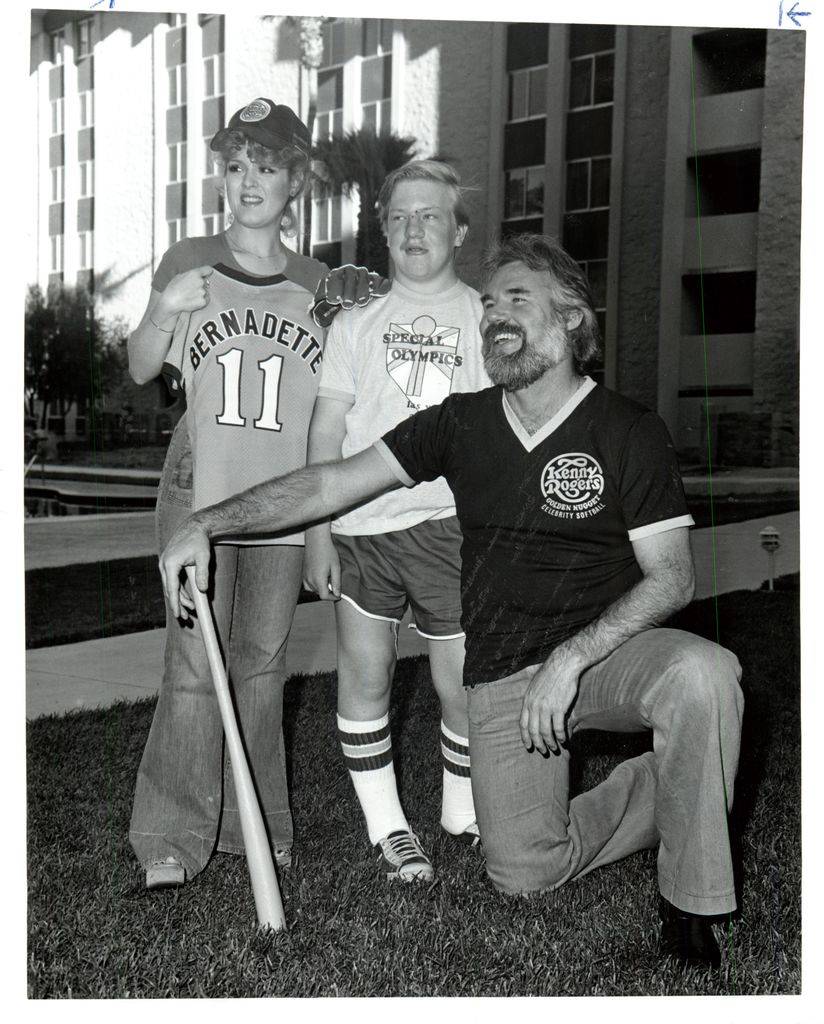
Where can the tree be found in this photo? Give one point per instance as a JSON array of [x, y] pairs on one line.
[[361, 160], [71, 354]]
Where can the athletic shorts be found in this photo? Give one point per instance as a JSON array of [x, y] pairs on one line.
[[420, 568]]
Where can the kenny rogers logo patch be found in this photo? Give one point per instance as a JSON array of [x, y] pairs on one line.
[[421, 358], [572, 485]]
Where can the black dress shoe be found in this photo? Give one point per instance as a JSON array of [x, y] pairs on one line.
[[688, 937]]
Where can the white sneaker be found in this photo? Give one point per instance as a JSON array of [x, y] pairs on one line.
[[400, 856]]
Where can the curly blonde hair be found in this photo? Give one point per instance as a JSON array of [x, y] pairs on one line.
[[293, 158]]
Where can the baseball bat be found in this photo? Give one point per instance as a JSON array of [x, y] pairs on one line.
[[265, 889]]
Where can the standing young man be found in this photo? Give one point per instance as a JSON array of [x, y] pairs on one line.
[[382, 363]]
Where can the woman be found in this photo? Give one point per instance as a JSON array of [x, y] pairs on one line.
[[228, 321]]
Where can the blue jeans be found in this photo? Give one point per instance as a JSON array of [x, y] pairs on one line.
[[185, 802], [677, 797]]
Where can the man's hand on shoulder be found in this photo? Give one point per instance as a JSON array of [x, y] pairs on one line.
[[189, 545], [548, 700], [344, 288]]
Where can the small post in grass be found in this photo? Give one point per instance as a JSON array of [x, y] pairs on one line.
[[770, 542]]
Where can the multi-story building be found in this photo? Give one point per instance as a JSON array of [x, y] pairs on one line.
[[667, 160]]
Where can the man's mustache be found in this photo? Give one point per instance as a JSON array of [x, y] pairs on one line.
[[493, 331]]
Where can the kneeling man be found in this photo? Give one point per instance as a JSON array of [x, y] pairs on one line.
[[575, 547]]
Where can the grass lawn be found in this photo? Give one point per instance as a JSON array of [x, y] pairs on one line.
[[95, 932], [90, 601]]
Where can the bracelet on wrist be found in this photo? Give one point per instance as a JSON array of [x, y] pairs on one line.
[[157, 327]]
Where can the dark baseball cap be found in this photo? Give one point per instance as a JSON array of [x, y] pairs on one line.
[[271, 124]]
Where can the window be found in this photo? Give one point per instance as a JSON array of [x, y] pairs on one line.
[[329, 120], [326, 215], [86, 99], [213, 75], [590, 80], [377, 36], [527, 93], [525, 130], [86, 246], [214, 223], [57, 42], [56, 265], [589, 141], [596, 272], [177, 230], [376, 88], [334, 42], [177, 85], [527, 45], [57, 116], [177, 161], [86, 178], [211, 166], [524, 193], [587, 184], [326, 225], [57, 185], [588, 165], [84, 38]]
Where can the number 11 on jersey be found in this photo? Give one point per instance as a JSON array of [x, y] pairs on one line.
[[232, 362]]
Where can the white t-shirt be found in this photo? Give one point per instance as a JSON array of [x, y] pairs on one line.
[[394, 357]]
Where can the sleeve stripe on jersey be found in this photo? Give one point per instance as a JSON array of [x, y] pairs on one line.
[[661, 527], [390, 460], [173, 376], [337, 393]]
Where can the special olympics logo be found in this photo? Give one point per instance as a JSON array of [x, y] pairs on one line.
[[573, 478], [257, 110]]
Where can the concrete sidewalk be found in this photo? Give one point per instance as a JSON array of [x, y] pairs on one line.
[[98, 672]]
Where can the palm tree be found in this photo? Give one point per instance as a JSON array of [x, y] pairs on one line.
[[361, 160]]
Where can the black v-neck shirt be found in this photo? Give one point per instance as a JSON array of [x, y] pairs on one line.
[[548, 520]]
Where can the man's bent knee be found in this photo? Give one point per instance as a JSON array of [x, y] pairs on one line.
[[705, 674], [518, 870]]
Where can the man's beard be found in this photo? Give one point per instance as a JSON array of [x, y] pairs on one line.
[[522, 368]]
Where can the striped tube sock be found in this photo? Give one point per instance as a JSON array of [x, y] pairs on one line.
[[367, 753], [457, 808]]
